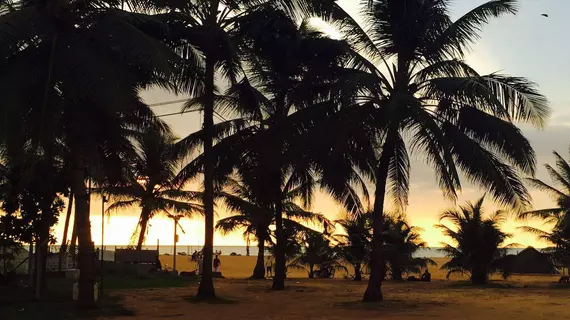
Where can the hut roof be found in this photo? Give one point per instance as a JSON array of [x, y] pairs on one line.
[[531, 260]]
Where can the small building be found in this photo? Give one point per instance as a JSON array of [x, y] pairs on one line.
[[532, 261]]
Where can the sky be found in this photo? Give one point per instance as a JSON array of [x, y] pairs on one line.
[[527, 45]]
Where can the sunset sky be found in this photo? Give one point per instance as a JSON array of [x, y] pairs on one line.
[[526, 45]]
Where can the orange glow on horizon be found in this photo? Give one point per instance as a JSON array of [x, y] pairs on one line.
[[423, 212]]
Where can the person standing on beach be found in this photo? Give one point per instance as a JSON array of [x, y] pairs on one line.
[[200, 261], [217, 264], [269, 267]]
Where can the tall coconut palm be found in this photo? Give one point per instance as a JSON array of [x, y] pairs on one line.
[[270, 97], [557, 218], [150, 184], [478, 241], [430, 94], [291, 68], [256, 218], [401, 242], [69, 53]]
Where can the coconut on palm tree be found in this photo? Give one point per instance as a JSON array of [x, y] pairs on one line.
[[478, 242], [419, 86]]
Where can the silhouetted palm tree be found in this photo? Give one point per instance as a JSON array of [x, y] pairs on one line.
[[150, 183], [477, 241], [558, 218], [285, 66], [423, 89], [294, 71], [355, 246], [256, 216], [317, 251], [401, 242], [86, 61]]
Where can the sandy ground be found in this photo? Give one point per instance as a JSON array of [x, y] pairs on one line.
[[338, 299], [521, 297], [242, 267]]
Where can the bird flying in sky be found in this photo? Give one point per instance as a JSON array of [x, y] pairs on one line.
[[544, 15]]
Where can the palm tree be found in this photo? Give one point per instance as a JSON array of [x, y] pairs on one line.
[[150, 184], [316, 251], [401, 242], [477, 239], [355, 245], [256, 216], [422, 88], [275, 87], [69, 53], [558, 218]]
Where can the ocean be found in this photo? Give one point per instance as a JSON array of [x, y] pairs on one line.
[[433, 252]]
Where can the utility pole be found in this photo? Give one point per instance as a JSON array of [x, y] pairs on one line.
[[175, 240], [103, 200]]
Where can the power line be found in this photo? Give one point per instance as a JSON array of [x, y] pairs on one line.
[[165, 103], [219, 116], [175, 113]]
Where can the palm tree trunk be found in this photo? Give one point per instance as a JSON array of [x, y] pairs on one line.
[[63, 248], [145, 217], [280, 272], [396, 273], [73, 242], [373, 292], [31, 263], [46, 221], [275, 158], [41, 259], [259, 270], [86, 259], [479, 275], [357, 272], [206, 288]]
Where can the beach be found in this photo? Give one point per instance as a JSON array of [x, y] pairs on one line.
[[521, 298], [241, 267]]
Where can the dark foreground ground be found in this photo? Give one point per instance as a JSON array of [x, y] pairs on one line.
[[313, 299]]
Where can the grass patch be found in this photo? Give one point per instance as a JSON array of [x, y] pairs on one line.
[[18, 303], [64, 310], [116, 282]]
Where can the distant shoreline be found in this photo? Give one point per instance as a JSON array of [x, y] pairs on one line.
[[432, 252]]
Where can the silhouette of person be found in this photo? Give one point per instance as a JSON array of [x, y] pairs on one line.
[[217, 264], [157, 264], [426, 276], [269, 267]]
